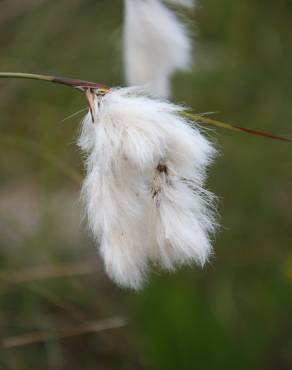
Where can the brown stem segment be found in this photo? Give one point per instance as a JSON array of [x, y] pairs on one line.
[[79, 84], [263, 134]]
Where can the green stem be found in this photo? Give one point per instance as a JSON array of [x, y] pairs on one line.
[[30, 76], [77, 84]]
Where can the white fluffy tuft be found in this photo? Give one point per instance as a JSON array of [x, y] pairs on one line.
[[143, 191], [156, 44]]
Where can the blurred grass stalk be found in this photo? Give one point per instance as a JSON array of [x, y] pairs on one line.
[[66, 332]]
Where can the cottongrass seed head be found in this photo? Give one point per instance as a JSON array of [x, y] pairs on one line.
[[156, 44], [143, 192]]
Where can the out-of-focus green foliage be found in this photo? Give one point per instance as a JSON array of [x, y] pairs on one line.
[[234, 314]]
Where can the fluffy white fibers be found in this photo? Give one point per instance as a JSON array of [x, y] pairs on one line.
[[156, 44], [143, 191]]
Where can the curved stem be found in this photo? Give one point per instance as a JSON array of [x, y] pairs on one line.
[[30, 76], [75, 83], [212, 122]]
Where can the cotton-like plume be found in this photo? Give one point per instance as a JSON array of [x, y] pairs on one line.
[[143, 191], [156, 44]]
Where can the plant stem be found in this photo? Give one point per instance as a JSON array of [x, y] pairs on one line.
[[90, 89], [212, 122], [78, 84], [25, 75]]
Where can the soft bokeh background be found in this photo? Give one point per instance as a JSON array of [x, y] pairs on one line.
[[234, 314]]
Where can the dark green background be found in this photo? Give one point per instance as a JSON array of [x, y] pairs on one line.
[[235, 313]]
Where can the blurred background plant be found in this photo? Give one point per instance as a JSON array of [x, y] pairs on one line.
[[234, 313]]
